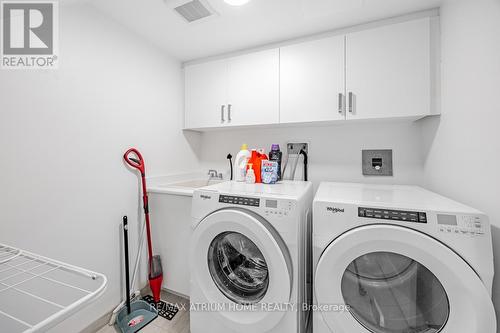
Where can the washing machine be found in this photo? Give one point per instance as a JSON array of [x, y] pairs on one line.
[[394, 259], [248, 257]]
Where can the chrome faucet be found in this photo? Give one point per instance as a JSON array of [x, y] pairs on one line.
[[212, 174]]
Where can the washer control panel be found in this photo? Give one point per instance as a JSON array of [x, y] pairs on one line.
[[391, 214], [278, 208], [460, 224], [269, 207], [244, 201]]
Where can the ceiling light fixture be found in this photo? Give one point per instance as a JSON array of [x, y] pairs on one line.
[[236, 2]]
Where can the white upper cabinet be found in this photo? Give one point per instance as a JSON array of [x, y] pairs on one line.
[[388, 71], [253, 90], [205, 94], [312, 81], [238, 91]]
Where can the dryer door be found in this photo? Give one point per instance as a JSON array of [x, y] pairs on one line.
[[390, 279], [241, 265]]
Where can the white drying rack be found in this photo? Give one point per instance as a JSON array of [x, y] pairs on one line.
[[37, 293]]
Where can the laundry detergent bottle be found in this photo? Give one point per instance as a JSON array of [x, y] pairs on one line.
[[241, 162], [256, 161], [276, 155], [253, 159]]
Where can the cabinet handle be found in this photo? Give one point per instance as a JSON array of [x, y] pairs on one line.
[[222, 107], [351, 102], [229, 112], [341, 103]]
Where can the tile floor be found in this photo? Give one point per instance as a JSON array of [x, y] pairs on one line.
[[180, 323]]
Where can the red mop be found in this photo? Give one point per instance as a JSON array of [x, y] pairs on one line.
[[155, 269]]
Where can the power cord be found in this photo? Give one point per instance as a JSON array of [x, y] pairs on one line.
[[229, 157], [303, 152]]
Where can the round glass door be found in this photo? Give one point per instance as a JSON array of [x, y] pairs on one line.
[[390, 293], [238, 268]]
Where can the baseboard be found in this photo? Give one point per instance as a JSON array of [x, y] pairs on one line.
[[175, 293], [98, 324]]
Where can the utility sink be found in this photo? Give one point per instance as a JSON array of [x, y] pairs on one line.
[[185, 185], [197, 183]]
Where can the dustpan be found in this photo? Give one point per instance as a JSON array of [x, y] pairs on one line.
[[138, 314], [141, 314]]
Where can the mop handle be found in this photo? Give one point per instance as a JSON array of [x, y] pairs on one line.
[[137, 162], [148, 225], [127, 277]]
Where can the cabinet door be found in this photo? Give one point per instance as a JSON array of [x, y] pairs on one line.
[[388, 71], [205, 94], [253, 91], [312, 81]]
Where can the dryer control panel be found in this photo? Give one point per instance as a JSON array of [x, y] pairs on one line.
[[460, 224], [391, 214]]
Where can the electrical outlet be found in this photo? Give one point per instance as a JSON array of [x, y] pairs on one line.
[[377, 162]]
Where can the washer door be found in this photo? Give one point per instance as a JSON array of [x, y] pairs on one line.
[[241, 264], [396, 280]]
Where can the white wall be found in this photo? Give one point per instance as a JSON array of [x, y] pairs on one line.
[[63, 186], [462, 148], [334, 151]]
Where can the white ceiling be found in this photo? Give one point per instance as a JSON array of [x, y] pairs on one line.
[[257, 23]]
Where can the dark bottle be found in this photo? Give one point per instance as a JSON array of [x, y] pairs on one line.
[[275, 155]]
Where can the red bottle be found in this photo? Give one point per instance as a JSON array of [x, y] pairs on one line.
[[256, 160]]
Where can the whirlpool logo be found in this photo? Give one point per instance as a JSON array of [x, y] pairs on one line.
[[205, 197], [335, 210]]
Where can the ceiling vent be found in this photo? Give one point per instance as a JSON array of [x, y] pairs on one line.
[[193, 10]]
